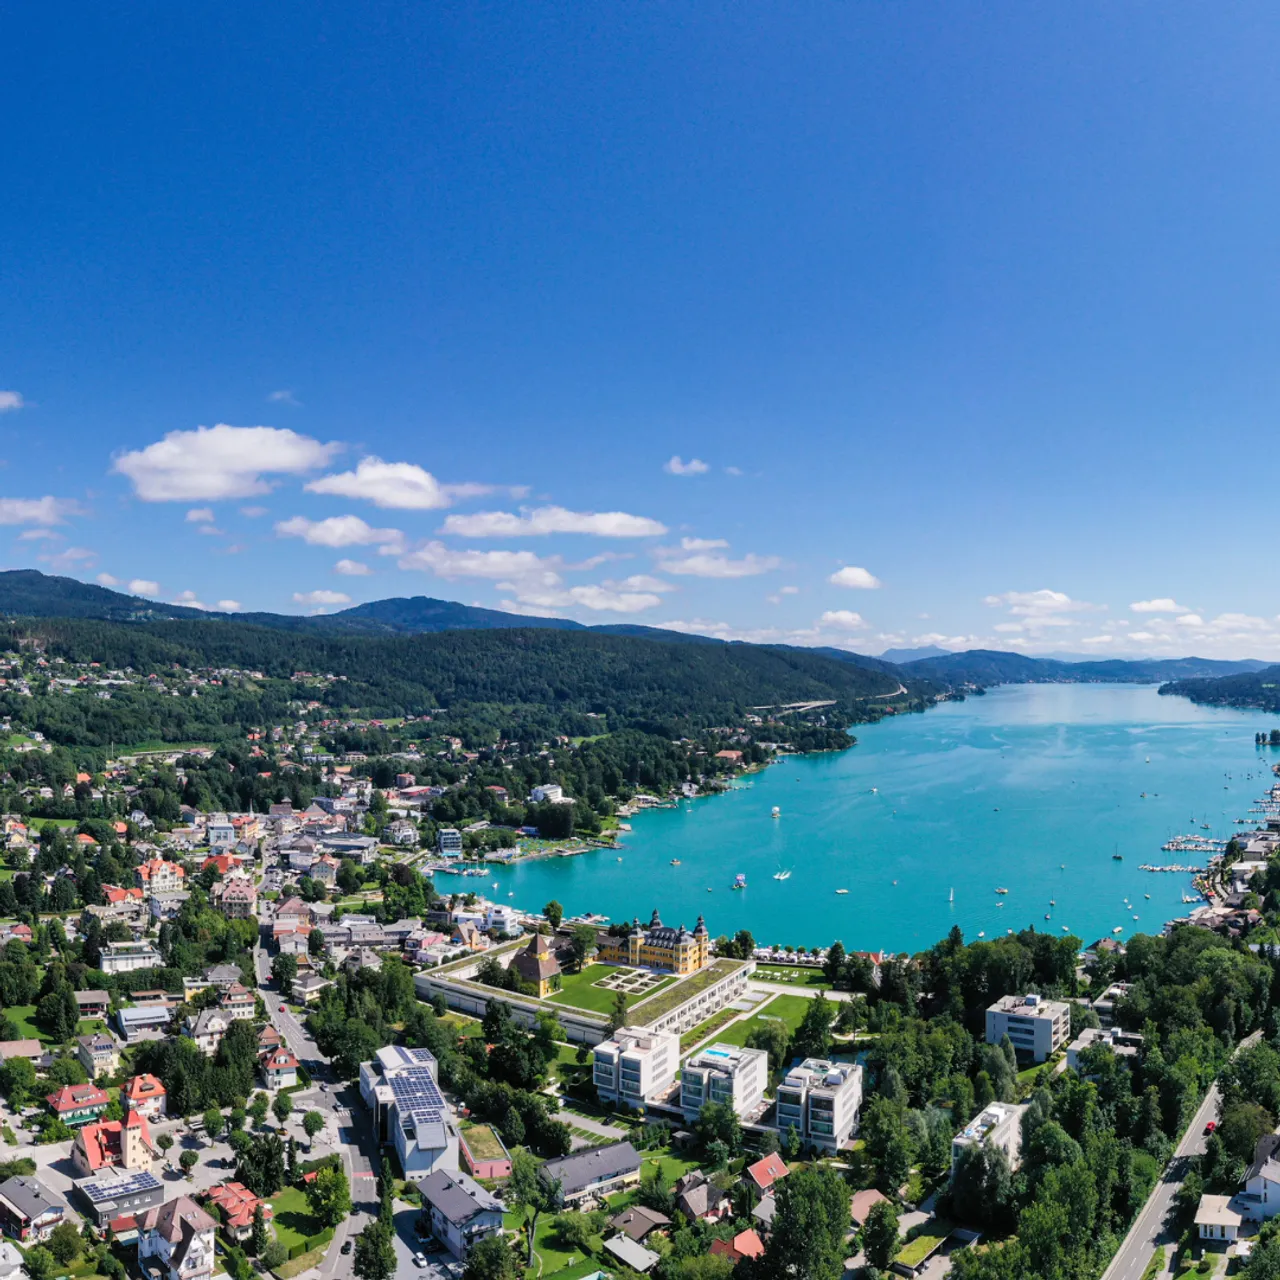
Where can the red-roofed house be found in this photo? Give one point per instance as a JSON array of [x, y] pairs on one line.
[[225, 862], [75, 1104], [107, 1144], [279, 1068], [120, 828], [746, 1244], [236, 1203], [764, 1173], [116, 896], [147, 1096], [86, 842], [159, 876]]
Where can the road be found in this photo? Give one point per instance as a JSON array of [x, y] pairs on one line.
[[1149, 1230]]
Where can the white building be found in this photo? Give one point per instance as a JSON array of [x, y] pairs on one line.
[[723, 1073], [409, 1112], [220, 832], [1243, 872], [1260, 1198], [635, 1066], [1000, 1125], [820, 1101], [179, 1237], [460, 1210], [1217, 1218], [1037, 1027], [449, 842], [503, 919], [1124, 1044], [125, 957], [551, 793]]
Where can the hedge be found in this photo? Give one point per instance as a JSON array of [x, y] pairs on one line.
[[312, 1242]]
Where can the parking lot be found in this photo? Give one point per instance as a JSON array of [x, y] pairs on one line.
[[441, 1264]]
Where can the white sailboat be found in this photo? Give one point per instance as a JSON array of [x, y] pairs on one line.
[[952, 896]]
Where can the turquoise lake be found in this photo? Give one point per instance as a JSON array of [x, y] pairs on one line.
[[1032, 788]]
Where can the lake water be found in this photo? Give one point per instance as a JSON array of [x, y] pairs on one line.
[[1032, 788]]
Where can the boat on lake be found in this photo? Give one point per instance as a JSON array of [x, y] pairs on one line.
[[777, 811], [782, 875], [739, 881], [1002, 890], [842, 890], [675, 862]]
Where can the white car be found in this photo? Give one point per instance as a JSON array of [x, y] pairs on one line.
[[419, 1259]]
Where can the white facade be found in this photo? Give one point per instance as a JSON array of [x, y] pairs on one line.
[[125, 957], [503, 919], [551, 793], [449, 842], [410, 1113], [820, 1100], [635, 1065], [724, 1073], [220, 832], [1000, 1125], [1124, 1044], [1037, 1027], [1217, 1218], [179, 1235]]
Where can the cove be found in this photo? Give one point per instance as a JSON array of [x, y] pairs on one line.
[[1032, 788]]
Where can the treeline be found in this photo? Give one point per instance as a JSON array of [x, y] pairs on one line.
[[1258, 690]]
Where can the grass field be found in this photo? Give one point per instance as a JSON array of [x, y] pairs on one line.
[[696, 1035], [792, 975], [674, 996], [578, 989], [293, 1220], [23, 1016], [789, 1009]]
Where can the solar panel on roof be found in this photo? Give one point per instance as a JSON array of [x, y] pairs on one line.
[[98, 1191], [417, 1096]]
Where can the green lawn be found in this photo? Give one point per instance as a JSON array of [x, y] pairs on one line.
[[798, 976], [579, 990], [790, 1009], [914, 1252], [549, 1260], [482, 1142], [293, 1220], [674, 996], [696, 1035]]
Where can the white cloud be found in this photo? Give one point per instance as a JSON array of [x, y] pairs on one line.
[[209, 530], [218, 462], [1190, 620], [703, 544], [676, 466], [10, 401], [200, 515], [38, 535], [189, 600], [400, 486], [853, 576], [497, 566], [596, 598], [788, 591], [230, 606], [352, 568], [321, 597], [253, 512], [283, 397], [70, 558], [143, 587], [1162, 605], [733, 471], [43, 511], [339, 531], [706, 564], [106, 580], [845, 619], [642, 582], [546, 520], [1039, 604]]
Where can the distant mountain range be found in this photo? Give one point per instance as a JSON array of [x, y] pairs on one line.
[[30, 593]]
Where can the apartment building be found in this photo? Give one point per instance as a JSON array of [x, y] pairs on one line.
[[723, 1073], [158, 876], [820, 1101], [1037, 1027], [409, 1112], [125, 957], [635, 1065], [1000, 1125]]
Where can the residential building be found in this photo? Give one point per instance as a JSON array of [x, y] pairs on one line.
[[142, 1021], [632, 1255], [724, 1073], [308, 986], [820, 1101], [548, 793], [93, 1004], [1037, 1027], [449, 842], [10, 1261], [459, 1210], [594, 1171], [325, 870], [98, 1054], [637, 1222], [292, 912], [1124, 1044], [999, 1125], [32, 1050], [238, 1003], [279, 1068], [166, 906], [1105, 1005], [659, 947], [147, 1096], [235, 1204], [766, 1171], [218, 975], [29, 1210], [107, 1144], [537, 965], [699, 1199], [746, 1244], [178, 1238], [362, 958], [125, 957], [402, 832], [862, 1204], [77, 1104], [503, 919], [1217, 1218], [238, 897], [207, 1029], [635, 1066], [399, 1086], [220, 831], [1260, 1198], [159, 876]]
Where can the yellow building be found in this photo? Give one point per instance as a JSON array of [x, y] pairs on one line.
[[538, 966], [660, 947]]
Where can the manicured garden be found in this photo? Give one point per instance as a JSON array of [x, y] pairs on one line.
[[792, 975], [23, 1016], [787, 1009], [293, 1221], [579, 990], [674, 996]]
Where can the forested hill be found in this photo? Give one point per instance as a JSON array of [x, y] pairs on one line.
[[991, 667], [555, 678], [1260, 689]]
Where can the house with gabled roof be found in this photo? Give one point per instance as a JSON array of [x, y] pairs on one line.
[[176, 1241]]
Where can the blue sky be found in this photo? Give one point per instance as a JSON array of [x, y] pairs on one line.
[[961, 321]]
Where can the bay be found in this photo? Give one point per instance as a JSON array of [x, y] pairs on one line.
[[1032, 788]]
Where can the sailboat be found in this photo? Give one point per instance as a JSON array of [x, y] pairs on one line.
[[952, 896], [782, 875]]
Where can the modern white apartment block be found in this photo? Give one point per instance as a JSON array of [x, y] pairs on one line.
[[635, 1066], [723, 1073], [1036, 1026], [1000, 1125], [409, 1112], [820, 1101], [125, 957], [449, 842]]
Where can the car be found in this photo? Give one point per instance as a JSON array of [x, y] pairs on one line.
[[1211, 1127], [346, 1247], [419, 1259], [282, 1008], [324, 1088]]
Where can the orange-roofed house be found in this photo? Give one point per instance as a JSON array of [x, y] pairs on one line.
[[764, 1173], [236, 1204], [120, 828], [147, 1096], [116, 896], [159, 876], [225, 862], [75, 1104], [84, 777], [114, 1144], [746, 1244], [279, 1068], [86, 842]]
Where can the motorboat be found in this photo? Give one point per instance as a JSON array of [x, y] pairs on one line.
[[782, 875], [1002, 890], [739, 881], [842, 890]]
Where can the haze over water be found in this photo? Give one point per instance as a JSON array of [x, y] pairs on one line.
[[995, 791]]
